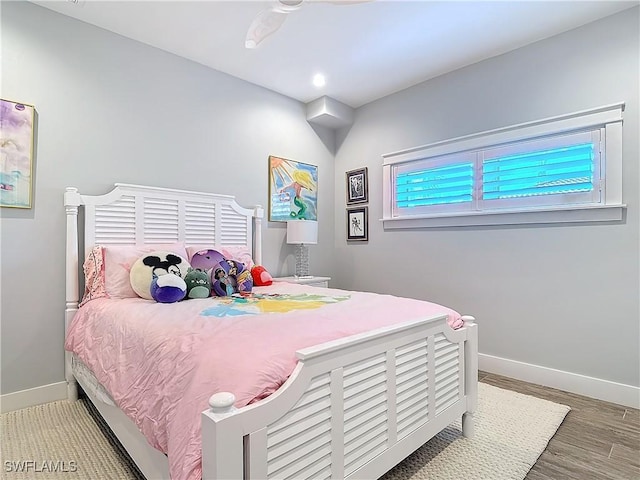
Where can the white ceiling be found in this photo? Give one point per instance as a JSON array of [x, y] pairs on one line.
[[366, 50]]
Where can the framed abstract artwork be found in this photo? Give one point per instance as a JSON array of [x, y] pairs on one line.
[[357, 186], [16, 153], [358, 224], [293, 190]]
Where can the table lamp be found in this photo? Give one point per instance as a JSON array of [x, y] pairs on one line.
[[302, 233]]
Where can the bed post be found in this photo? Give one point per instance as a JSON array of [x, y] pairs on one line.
[[471, 375], [258, 213], [226, 460], [72, 201]]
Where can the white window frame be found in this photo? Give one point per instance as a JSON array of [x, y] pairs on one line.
[[608, 208]]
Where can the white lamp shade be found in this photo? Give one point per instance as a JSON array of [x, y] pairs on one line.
[[303, 232]]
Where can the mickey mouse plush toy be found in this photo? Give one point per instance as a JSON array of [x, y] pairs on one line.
[[159, 276], [168, 286]]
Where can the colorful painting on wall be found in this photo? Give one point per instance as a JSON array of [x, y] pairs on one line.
[[16, 153], [293, 190]]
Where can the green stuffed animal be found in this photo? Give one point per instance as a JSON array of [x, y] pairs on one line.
[[198, 283]]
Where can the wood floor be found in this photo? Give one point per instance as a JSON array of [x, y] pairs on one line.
[[596, 441]]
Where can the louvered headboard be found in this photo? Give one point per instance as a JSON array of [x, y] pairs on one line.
[[140, 215]]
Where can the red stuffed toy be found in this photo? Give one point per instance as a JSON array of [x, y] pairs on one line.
[[261, 278]]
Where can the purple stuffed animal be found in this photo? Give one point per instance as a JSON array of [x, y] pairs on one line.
[[205, 260]]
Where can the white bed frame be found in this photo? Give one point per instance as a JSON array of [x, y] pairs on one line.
[[352, 408]]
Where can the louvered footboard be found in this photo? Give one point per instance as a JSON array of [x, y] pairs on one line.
[[352, 408]]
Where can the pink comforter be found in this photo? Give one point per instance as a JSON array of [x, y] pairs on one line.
[[161, 362]]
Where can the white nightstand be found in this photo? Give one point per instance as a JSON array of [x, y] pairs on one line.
[[315, 281]]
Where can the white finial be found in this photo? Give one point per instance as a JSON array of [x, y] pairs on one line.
[[468, 319], [222, 402]]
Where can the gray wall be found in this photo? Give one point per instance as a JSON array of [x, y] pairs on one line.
[[113, 110], [562, 296]]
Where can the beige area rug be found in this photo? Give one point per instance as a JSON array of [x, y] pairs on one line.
[[62, 440]]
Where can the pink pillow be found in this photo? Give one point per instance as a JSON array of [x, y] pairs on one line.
[[240, 253], [119, 259], [94, 286]]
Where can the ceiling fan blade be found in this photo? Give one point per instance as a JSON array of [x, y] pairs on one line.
[[270, 20], [266, 22]]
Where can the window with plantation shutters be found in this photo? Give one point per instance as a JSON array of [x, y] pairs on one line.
[[563, 169], [441, 184], [435, 186], [559, 170]]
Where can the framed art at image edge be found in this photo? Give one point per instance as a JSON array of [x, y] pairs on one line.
[[358, 224], [293, 190], [357, 186], [16, 153]]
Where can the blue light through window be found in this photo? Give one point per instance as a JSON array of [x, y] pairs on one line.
[[435, 186], [545, 172]]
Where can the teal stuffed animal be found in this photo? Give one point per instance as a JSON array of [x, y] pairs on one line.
[[198, 283]]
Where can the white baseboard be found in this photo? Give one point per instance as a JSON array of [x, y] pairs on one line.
[[33, 396], [613, 392]]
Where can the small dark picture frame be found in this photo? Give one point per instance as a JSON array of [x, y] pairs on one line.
[[357, 186], [358, 224]]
